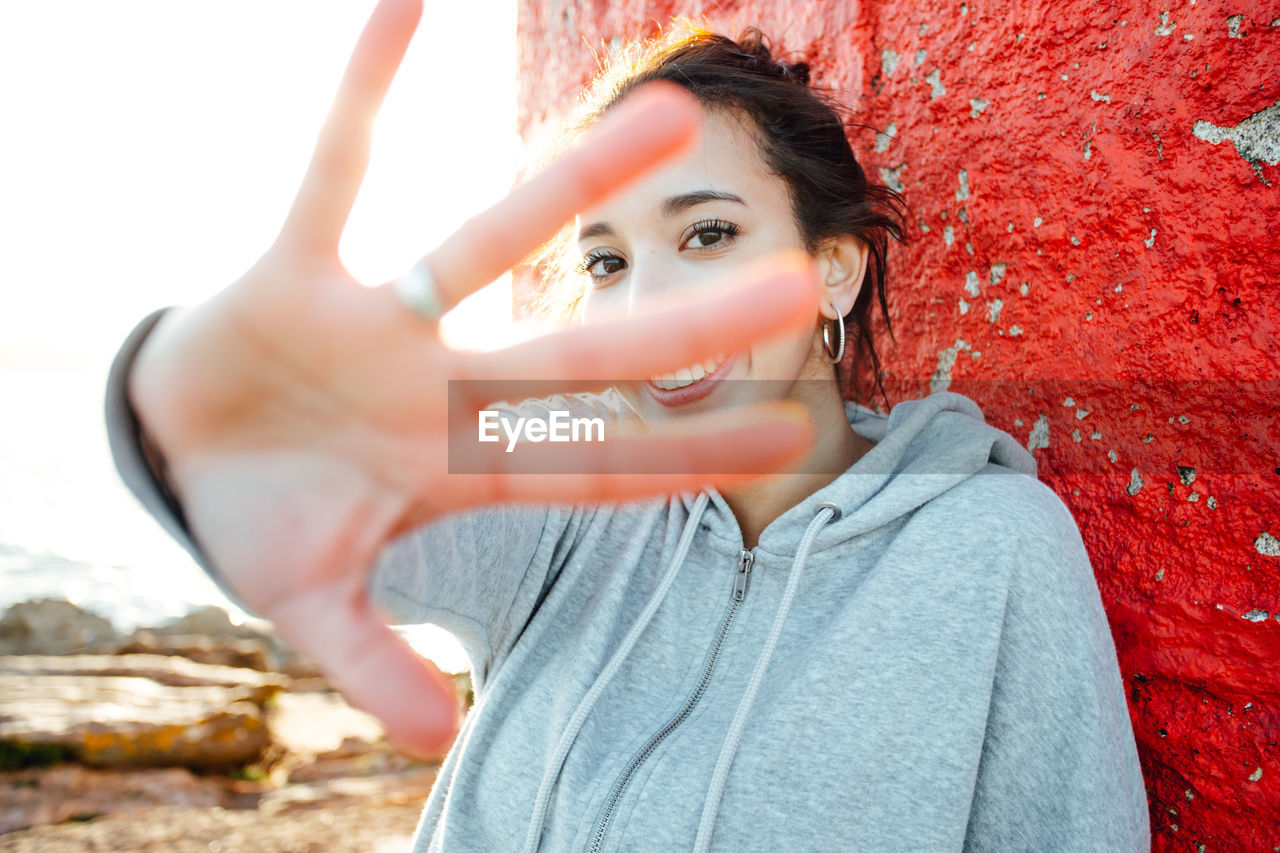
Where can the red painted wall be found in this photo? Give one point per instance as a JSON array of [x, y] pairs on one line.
[[1095, 259]]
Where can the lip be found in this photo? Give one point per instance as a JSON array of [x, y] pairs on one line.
[[690, 393]]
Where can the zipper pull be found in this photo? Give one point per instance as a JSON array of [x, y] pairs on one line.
[[745, 561]]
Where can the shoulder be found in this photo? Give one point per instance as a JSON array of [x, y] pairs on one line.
[[1020, 529], [1007, 504]]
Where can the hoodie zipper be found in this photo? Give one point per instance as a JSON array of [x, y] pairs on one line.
[[740, 577]]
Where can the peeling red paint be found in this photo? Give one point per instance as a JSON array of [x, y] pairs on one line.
[[1140, 278]]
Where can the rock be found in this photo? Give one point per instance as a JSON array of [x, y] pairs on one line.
[[206, 622], [51, 626], [72, 793], [305, 674], [255, 686], [213, 624], [382, 827], [409, 785], [106, 712], [353, 758], [224, 651]]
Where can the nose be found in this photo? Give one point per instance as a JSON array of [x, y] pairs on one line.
[[651, 277]]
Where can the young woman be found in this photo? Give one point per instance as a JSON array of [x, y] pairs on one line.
[[894, 642]]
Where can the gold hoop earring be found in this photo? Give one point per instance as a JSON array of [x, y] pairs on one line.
[[838, 353]]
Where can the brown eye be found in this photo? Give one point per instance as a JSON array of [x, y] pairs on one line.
[[706, 238], [601, 264], [709, 234], [607, 266]]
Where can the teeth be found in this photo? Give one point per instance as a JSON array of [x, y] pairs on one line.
[[686, 376]]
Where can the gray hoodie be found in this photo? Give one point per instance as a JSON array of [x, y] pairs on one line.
[[915, 657]]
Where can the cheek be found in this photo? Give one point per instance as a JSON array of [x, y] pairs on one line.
[[599, 305], [783, 358], [587, 309]]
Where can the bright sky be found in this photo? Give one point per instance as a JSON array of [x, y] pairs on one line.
[[151, 148]]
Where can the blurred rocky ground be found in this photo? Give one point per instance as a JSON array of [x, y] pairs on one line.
[[193, 735]]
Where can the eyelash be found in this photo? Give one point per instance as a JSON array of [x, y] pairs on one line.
[[591, 259], [728, 229]]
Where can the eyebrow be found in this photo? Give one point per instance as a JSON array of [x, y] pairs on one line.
[[680, 203], [670, 207]]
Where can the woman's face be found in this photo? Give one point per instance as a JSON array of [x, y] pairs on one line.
[[715, 209]]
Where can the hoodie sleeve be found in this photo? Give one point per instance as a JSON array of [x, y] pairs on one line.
[[1059, 767], [478, 575], [140, 467]]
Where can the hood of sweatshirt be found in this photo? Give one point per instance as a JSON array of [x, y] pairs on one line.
[[921, 449]]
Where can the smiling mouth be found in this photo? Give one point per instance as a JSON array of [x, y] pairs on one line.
[[688, 383], [686, 376]]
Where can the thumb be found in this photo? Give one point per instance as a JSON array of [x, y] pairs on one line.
[[374, 668]]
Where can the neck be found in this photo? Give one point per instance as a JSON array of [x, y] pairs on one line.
[[758, 502]]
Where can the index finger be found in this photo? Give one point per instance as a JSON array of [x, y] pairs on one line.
[[332, 181], [652, 125]]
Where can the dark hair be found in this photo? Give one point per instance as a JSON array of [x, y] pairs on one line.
[[802, 139]]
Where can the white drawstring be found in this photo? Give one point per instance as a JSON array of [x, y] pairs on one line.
[[534, 836], [711, 806]]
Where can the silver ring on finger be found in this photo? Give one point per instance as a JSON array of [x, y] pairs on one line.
[[417, 290]]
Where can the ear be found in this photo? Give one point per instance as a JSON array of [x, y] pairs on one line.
[[842, 265]]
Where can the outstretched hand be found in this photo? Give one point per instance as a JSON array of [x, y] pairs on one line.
[[304, 416]]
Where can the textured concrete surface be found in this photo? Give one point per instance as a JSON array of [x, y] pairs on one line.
[[1095, 260]]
